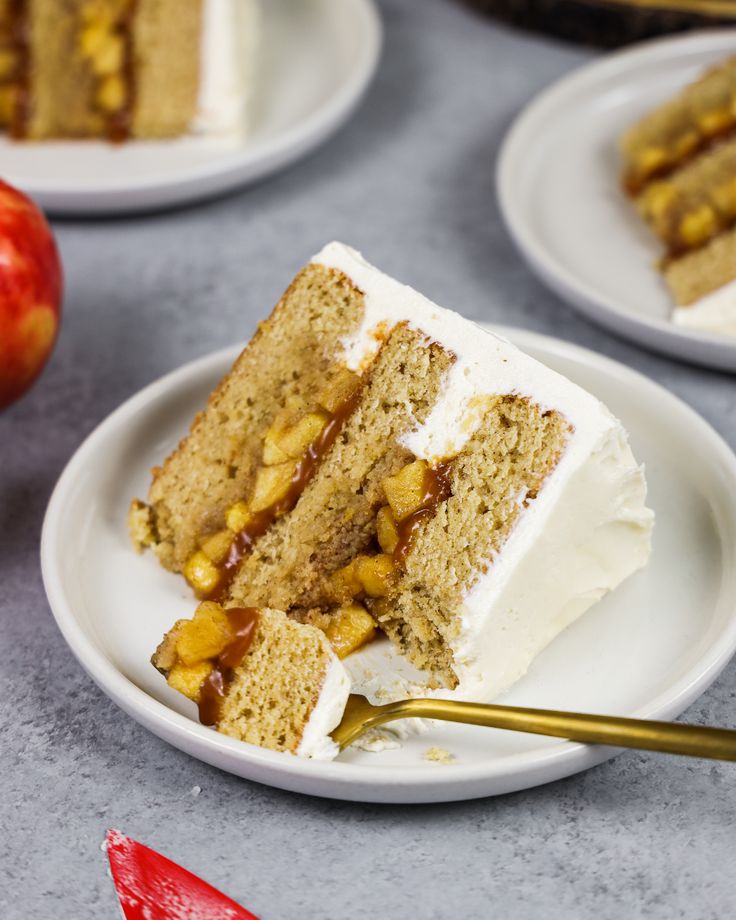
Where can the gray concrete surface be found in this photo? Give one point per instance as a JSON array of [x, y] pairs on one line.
[[410, 182]]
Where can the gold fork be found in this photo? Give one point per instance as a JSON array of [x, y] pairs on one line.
[[645, 734]]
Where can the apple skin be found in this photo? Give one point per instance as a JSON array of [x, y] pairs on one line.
[[30, 293]]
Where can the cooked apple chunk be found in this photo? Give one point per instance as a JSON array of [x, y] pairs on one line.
[[237, 517], [204, 636], [272, 484], [217, 546], [386, 530], [201, 573], [338, 390], [375, 573], [297, 438], [344, 583], [188, 679], [406, 491], [350, 628], [371, 575]]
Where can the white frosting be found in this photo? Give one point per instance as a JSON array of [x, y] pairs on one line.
[[585, 532], [326, 715], [227, 54], [716, 312]]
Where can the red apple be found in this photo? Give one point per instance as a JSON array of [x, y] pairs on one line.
[[30, 293]]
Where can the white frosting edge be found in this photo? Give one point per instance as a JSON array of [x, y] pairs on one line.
[[316, 742], [582, 536], [228, 52], [716, 312], [486, 364]]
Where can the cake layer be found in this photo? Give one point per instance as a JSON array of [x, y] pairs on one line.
[[167, 64], [494, 480], [698, 274], [288, 362], [695, 204], [258, 676], [702, 114]]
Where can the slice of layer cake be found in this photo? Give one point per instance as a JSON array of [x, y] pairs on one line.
[[449, 490], [700, 116], [123, 69], [258, 676], [680, 168]]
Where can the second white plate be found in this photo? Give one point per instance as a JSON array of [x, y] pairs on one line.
[[559, 192], [648, 649], [315, 61]]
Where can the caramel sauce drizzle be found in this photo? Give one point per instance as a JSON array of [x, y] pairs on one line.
[[243, 622], [677, 249], [120, 123], [21, 43], [436, 489], [244, 540]]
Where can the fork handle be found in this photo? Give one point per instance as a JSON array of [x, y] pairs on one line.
[[644, 734]]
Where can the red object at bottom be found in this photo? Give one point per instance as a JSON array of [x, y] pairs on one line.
[[152, 887]]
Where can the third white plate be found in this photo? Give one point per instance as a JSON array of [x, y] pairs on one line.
[[648, 649], [559, 192]]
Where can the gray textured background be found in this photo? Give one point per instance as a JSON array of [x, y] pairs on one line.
[[410, 182]]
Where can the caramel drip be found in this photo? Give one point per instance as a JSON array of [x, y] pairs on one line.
[[243, 622], [120, 123], [262, 520], [436, 489], [676, 249], [634, 185], [21, 44]]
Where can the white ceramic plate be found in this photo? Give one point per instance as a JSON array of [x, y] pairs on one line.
[[315, 61], [648, 649], [558, 190]]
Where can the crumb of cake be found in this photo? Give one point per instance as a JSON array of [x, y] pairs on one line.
[[439, 755], [376, 741], [140, 525]]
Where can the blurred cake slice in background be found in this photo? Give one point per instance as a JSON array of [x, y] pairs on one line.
[[122, 69], [679, 167]]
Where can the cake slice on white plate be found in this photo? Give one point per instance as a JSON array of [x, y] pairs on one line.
[[375, 463], [124, 69]]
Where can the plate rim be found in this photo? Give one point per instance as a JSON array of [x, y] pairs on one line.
[[235, 168], [695, 345], [360, 782]]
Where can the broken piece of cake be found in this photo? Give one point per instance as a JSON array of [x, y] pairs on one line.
[[258, 676], [679, 167], [373, 463]]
